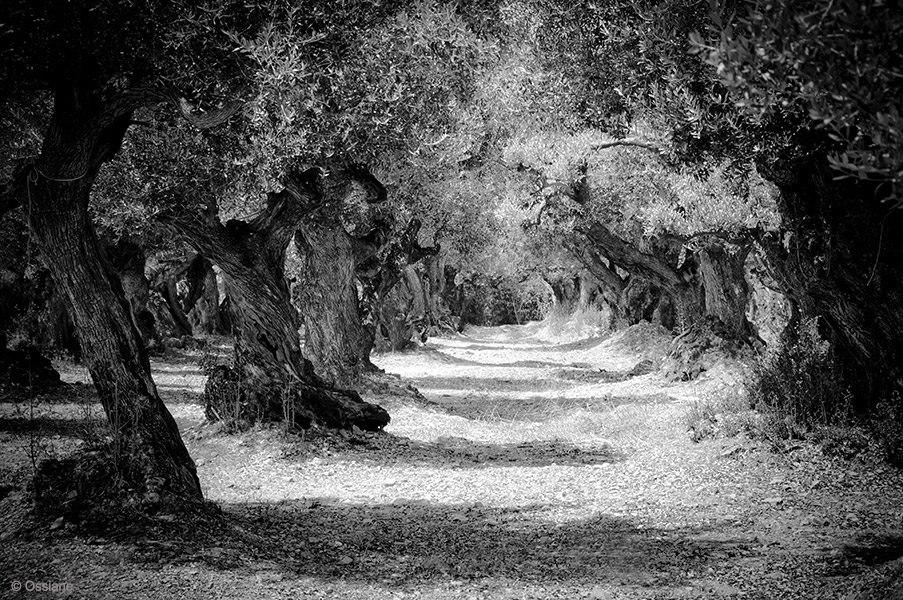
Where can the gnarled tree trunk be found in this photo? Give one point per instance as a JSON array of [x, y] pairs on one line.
[[129, 261], [336, 340], [721, 269], [56, 188], [203, 313], [393, 297], [843, 264], [680, 283], [272, 379]]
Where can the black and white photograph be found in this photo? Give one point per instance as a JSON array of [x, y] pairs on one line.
[[451, 299]]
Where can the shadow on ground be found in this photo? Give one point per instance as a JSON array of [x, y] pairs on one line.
[[489, 407], [444, 357], [431, 382], [50, 426], [408, 543], [449, 451]]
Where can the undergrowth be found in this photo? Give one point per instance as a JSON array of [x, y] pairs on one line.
[[798, 383], [722, 415], [794, 394]]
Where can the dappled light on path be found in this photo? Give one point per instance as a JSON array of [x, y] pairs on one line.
[[534, 468]]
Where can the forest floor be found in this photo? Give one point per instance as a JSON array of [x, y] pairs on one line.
[[537, 468]]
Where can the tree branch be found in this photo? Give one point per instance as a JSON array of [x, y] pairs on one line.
[[210, 118], [138, 96], [596, 266], [632, 260], [632, 142], [743, 238]]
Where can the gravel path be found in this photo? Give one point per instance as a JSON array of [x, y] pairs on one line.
[[538, 473]]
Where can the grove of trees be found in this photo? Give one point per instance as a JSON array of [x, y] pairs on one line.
[[322, 179]]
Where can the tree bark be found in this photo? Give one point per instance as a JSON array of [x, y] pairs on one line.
[[726, 291], [658, 275], [168, 289], [839, 262], [197, 273], [336, 340], [204, 313], [129, 261], [612, 286], [565, 292], [277, 382], [388, 297], [80, 138]]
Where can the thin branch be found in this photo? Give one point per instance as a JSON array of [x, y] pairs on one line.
[[632, 142], [211, 118]]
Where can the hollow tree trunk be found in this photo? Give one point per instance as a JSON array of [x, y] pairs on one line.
[[183, 312], [611, 285], [439, 315], [78, 141], [394, 310], [275, 380], [708, 293], [657, 273], [169, 291], [644, 301], [565, 293], [335, 341]]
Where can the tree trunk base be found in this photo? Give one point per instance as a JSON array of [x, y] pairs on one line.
[[239, 403], [104, 481], [387, 388], [698, 348]]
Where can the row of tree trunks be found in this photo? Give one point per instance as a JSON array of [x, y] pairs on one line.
[[82, 135], [393, 298], [701, 293], [709, 284], [277, 381]]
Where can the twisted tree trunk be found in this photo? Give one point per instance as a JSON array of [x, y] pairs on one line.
[[335, 340], [390, 293], [203, 311], [333, 242], [272, 379], [721, 269], [841, 265], [129, 261], [82, 135], [680, 283]]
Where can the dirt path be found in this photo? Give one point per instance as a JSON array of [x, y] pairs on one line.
[[541, 471]]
